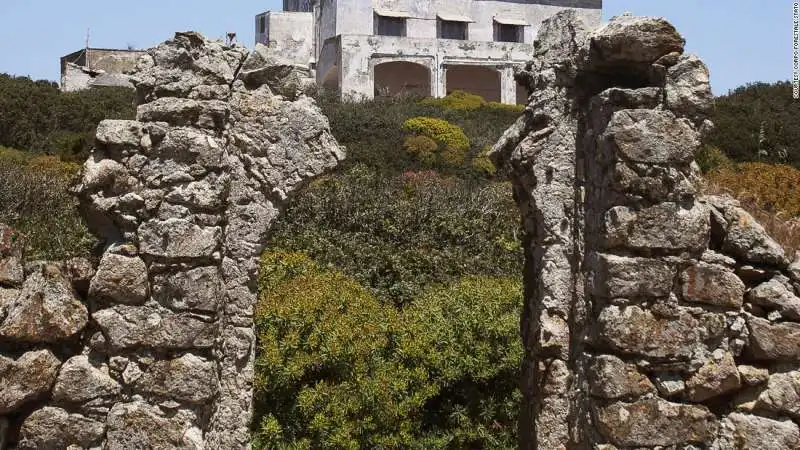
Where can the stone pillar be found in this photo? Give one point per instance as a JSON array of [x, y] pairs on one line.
[[654, 317], [508, 86], [184, 197]]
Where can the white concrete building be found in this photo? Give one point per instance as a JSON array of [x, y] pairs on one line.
[[365, 48]]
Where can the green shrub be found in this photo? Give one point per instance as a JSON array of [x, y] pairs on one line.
[[711, 158], [337, 369], [441, 131], [398, 234], [457, 101], [755, 117], [34, 199], [422, 148], [41, 119], [374, 135], [517, 109], [483, 164]]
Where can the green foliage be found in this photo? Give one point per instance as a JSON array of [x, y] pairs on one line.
[[452, 144], [483, 164], [738, 118], [422, 148], [35, 201], [398, 234], [457, 101], [39, 118], [516, 109], [374, 136], [712, 158], [337, 369]]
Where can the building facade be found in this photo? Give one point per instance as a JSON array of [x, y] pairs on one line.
[[366, 48], [96, 67]]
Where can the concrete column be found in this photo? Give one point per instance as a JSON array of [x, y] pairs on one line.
[[508, 86], [356, 76]]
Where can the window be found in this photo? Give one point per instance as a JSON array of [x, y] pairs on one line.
[[509, 29], [449, 29], [262, 24], [390, 26]]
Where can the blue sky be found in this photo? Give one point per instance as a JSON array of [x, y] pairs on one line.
[[741, 40]]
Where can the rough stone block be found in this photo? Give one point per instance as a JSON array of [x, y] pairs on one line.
[[129, 327], [666, 226], [656, 422], [194, 290], [612, 378], [776, 294], [627, 40], [712, 284], [688, 91], [120, 279], [753, 432], [139, 425], [178, 239], [79, 381], [650, 137], [743, 237], [211, 114], [638, 332], [26, 379], [625, 277], [55, 428], [768, 341], [46, 309], [188, 378], [716, 377]]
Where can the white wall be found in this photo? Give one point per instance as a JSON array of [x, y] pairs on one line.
[[292, 33], [356, 16]]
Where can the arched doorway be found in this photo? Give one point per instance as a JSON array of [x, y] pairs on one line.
[[483, 81], [402, 78]]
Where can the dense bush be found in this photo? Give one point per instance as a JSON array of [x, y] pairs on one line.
[[741, 115], [401, 233], [39, 118], [373, 131], [35, 201], [452, 144], [338, 369], [772, 187], [458, 101]]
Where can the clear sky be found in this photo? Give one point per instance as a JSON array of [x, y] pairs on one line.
[[741, 40]]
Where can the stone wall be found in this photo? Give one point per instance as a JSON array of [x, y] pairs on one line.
[[155, 349], [654, 317]]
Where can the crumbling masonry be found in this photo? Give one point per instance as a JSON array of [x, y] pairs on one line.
[[654, 317], [155, 349]]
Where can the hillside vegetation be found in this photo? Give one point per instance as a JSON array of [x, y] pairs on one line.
[[39, 118]]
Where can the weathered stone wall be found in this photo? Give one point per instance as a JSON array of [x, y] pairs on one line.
[[654, 317], [155, 349]]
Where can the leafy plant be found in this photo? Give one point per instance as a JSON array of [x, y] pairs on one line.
[[337, 369]]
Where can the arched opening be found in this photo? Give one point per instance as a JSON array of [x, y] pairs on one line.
[[483, 81], [402, 78], [331, 80]]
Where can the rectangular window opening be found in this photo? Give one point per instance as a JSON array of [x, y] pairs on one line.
[[508, 33], [262, 24], [449, 29], [390, 26]]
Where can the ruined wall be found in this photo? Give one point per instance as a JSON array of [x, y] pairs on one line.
[[654, 317], [155, 349]]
